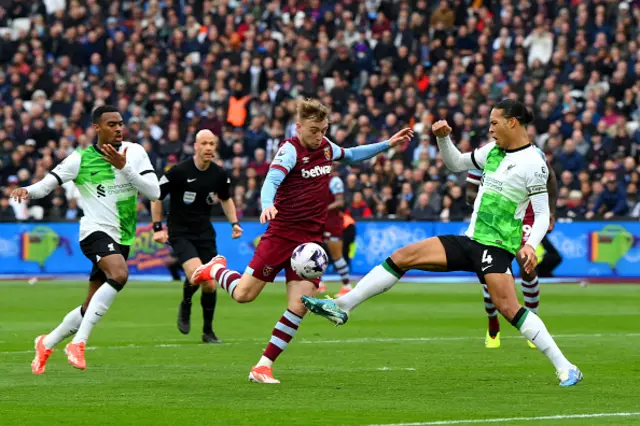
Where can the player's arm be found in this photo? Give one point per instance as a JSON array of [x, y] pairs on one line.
[[536, 181], [282, 164], [552, 190], [62, 173], [228, 206], [168, 183], [453, 158], [337, 189], [473, 183], [364, 152], [140, 173]]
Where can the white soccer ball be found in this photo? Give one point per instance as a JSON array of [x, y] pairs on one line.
[[309, 260]]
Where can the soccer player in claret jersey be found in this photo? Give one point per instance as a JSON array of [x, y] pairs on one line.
[[294, 200], [333, 233], [514, 176], [530, 282], [109, 176]]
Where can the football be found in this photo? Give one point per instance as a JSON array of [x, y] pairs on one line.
[[309, 260]]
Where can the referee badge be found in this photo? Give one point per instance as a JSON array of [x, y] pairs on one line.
[[211, 198], [189, 197]]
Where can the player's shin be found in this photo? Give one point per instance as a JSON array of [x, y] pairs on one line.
[[343, 270], [532, 327], [531, 292], [492, 312], [67, 327], [100, 303], [380, 279], [281, 335], [188, 290], [227, 278], [208, 301]]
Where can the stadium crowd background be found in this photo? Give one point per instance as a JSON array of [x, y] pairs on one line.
[[237, 66]]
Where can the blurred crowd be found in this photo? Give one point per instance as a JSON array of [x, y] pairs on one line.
[[237, 67]]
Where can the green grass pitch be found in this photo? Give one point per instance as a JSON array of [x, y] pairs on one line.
[[413, 355]]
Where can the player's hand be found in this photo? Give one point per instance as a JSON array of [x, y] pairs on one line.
[[441, 128], [268, 214], [161, 236], [404, 135], [19, 194], [111, 155], [552, 223], [609, 215], [589, 215], [236, 231], [528, 254]]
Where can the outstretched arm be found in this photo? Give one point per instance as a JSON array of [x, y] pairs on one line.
[[62, 173], [364, 152]]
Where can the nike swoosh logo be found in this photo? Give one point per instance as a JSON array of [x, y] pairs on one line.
[[190, 180], [94, 173], [534, 337], [486, 267]]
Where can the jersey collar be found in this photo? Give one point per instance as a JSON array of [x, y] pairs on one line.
[[518, 149]]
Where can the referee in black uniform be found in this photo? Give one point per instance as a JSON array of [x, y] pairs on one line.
[[193, 185]]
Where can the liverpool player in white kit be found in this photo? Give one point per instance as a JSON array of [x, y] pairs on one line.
[[109, 176]]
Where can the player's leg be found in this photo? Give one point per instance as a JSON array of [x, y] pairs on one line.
[[551, 260], [272, 254], [426, 255], [334, 245], [187, 255], [208, 299], [530, 290], [114, 265], [286, 327], [45, 344], [502, 290], [492, 339]]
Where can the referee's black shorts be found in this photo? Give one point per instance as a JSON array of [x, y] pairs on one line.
[[465, 254], [186, 248]]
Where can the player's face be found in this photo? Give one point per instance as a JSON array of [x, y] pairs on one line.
[[110, 128], [501, 128], [205, 148], [312, 132]]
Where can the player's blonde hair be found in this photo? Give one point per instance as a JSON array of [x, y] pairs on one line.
[[311, 109]]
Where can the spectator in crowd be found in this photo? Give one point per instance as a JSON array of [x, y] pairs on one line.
[[237, 68], [611, 202]]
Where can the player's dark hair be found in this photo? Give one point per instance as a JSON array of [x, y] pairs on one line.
[[97, 113], [515, 109]]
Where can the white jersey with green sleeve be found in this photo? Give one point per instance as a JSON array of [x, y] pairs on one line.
[[109, 199], [509, 178]]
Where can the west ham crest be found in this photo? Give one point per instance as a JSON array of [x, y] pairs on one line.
[[327, 153], [267, 270]]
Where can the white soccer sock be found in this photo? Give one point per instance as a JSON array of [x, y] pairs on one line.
[[100, 302], [533, 329], [67, 327], [264, 362], [380, 279]]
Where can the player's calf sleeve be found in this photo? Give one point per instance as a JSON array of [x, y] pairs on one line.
[[343, 270], [67, 327], [380, 279], [100, 302], [188, 290], [531, 294], [281, 335], [208, 301], [492, 312], [532, 327], [227, 279]]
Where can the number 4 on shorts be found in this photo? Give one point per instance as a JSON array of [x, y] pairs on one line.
[[486, 257]]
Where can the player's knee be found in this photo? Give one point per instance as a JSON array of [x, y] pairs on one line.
[[508, 308], [209, 286], [120, 275], [404, 257]]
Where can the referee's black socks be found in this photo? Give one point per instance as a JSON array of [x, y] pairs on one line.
[[208, 302], [188, 290]]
